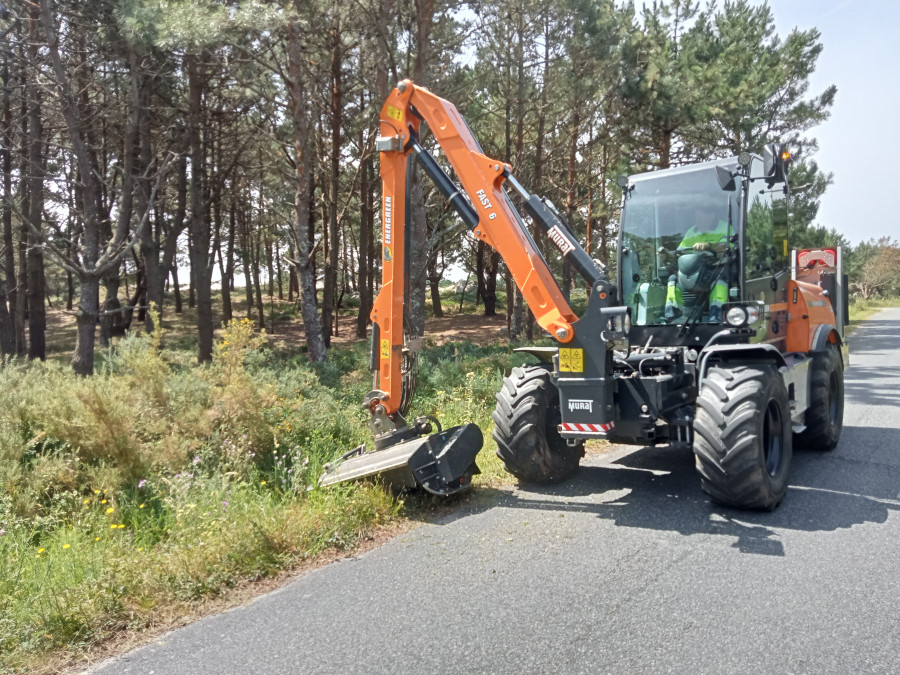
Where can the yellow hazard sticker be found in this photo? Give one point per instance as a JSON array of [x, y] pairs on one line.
[[394, 113], [571, 360], [385, 348]]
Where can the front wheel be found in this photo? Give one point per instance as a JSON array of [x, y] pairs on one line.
[[742, 436], [526, 428]]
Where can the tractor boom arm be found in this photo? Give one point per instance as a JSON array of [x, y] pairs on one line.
[[488, 212]]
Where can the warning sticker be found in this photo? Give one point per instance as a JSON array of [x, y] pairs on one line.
[[394, 113], [571, 360], [385, 349]]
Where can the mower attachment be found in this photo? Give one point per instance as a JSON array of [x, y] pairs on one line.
[[442, 463]]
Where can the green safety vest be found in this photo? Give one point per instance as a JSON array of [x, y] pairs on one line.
[[717, 236]]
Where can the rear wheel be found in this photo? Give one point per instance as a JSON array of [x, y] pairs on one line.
[[825, 415], [526, 428], [742, 436]]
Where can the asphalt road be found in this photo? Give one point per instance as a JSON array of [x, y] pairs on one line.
[[627, 568]]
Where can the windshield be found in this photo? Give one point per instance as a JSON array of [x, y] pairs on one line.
[[676, 231]]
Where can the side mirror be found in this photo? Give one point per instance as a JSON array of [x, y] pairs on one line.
[[726, 179], [775, 163]]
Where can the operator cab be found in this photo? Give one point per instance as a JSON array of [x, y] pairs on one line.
[[696, 241]]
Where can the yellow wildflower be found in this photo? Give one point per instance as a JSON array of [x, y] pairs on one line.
[[140, 548], [112, 527], [110, 509], [96, 492], [66, 546], [121, 526], [96, 538], [141, 506], [41, 550], [102, 501], [262, 482], [87, 501]]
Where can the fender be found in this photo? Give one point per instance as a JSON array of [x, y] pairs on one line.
[[760, 352], [827, 334], [824, 335]]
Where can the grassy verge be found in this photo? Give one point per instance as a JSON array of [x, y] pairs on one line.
[[860, 310], [158, 484]]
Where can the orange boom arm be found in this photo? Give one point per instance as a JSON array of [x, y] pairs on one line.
[[487, 211]]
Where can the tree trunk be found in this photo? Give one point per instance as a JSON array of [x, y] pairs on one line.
[[539, 152], [7, 286], [21, 308], [256, 254], [199, 223], [417, 229], [226, 266], [332, 259], [270, 269], [247, 263], [192, 288], [568, 274], [665, 149], [170, 246], [365, 308], [86, 320], [434, 283], [490, 283], [21, 316], [149, 246], [292, 273], [278, 272], [7, 335], [176, 289], [302, 230], [70, 288], [480, 252]]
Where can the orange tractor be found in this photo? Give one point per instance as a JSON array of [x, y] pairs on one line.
[[712, 337]]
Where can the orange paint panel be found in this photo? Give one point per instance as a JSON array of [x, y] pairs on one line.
[[809, 308]]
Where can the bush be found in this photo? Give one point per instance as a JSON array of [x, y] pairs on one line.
[[157, 482]]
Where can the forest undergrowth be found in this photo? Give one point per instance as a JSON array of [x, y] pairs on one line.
[[157, 484]]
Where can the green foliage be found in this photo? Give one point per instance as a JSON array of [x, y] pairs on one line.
[[157, 483]]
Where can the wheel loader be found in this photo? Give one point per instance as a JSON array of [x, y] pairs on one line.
[[713, 337]]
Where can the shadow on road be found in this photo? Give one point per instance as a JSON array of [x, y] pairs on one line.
[[870, 385], [658, 489]]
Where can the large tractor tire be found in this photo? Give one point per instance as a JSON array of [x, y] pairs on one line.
[[742, 436], [825, 415], [526, 428]]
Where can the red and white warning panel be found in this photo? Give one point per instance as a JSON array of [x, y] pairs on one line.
[[808, 258], [599, 429]]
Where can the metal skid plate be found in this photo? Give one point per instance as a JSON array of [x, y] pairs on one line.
[[441, 463]]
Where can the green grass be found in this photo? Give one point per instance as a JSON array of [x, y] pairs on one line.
[[157, 484], [860, 310]]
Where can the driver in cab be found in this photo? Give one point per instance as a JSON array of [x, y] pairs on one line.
[[710, 234]]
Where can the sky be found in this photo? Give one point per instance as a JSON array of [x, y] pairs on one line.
[[861, 139]]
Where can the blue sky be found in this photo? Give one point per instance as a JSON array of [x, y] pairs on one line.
[[861, 140]]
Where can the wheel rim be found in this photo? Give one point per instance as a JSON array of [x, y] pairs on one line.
[[773, 440], [832, 398]]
